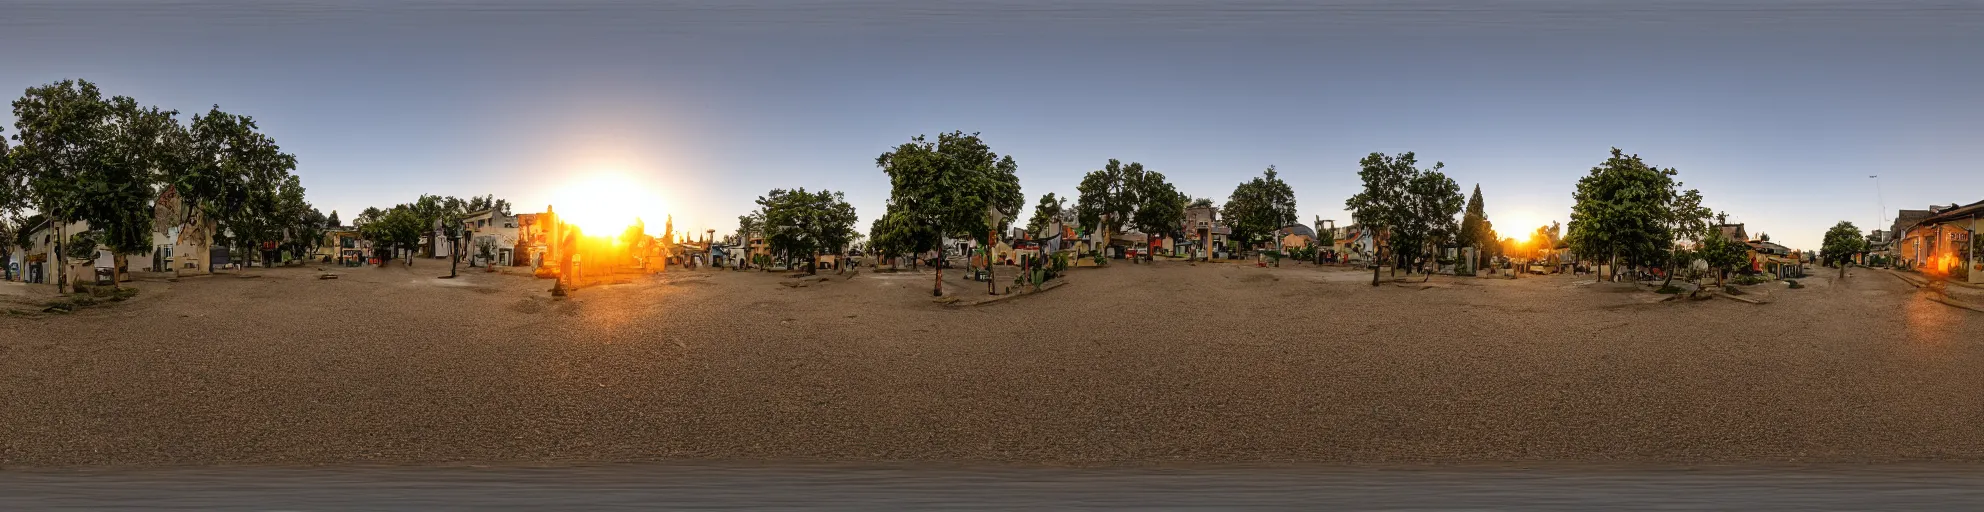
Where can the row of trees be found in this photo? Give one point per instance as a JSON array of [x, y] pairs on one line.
[[957, 187], [129, 170], [401, 228]]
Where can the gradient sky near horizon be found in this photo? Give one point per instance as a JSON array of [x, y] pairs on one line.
[[1778, 111]]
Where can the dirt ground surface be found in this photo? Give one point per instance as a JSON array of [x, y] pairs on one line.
[[1171, 363]]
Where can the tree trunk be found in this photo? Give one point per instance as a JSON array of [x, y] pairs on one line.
[[454, 258], [938, 291], [813, 267], [1842, 270], [991, 282], [1377, 255], [61, 259]]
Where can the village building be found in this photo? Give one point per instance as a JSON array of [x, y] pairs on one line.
[[36, 263], [1355, 242], [1295, 235], [492, 237], [1205, 233], [1942, 242], [344, 246]]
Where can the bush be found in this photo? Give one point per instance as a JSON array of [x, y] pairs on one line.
[[1100, 261]]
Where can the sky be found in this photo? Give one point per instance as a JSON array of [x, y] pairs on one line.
[[1778, 111]]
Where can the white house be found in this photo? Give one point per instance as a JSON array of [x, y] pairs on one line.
[[37, 263], [495, 228]]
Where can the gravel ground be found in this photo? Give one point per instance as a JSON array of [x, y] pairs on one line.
[[1127, 365]]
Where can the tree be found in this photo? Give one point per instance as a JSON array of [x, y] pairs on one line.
[[231, 187], [1259, 207], [801, 222], [1202, 202], [748, 225], [949, 186], [1160, 207], [1841, 243], [1721, 253], [1385, 205], [1046, 211], [488, 202], [1434, 200], [450, 219], [1688, 220], [333, 220], [1107, 199], [896, 234], [1475, 229], [64, 130], [1626, 209]]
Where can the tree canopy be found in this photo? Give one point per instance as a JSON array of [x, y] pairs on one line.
[[1046, 211], [1475, 229], [1631, 210], [801, 222], [949, 185], [1106, 198], [1842, 242], [1259, 207], [1414, 206], [1160, 207]]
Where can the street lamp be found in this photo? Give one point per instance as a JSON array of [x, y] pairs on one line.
[[1882, 202]]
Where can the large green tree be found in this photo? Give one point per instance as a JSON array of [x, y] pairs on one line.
[[1435, 201], [1160, 207], [1841, 243], [1386, 206], [1045, 212], [1107, 198], [1258, 207], [801, 222], [951, 185], [1625, 210], [233, 184], [64, 156]]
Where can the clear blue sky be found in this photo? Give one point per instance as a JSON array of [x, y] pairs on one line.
[[1777, 111]]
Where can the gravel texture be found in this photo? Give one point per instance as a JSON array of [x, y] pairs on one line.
[[1126, 365]]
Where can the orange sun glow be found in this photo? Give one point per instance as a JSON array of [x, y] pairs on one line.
[[607, 203]]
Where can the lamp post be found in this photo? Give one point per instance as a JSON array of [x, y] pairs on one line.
[[1880, 201]]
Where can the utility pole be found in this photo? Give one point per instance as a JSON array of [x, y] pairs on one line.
[[1880, 201]]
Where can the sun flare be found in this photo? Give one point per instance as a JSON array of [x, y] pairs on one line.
[[606, 203]]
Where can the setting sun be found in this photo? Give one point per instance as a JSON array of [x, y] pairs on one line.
[[1518, 224], [607, 202]]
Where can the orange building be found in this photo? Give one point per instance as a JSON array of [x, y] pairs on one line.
[[1943, 243]]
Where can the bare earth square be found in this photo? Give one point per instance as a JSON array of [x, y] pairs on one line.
[[1127, 365]]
